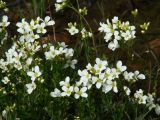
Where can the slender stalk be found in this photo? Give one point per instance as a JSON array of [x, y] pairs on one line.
[[93, 39]]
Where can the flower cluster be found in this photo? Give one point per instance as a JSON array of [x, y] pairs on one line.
[[133, 77], [116, 31], [72, 29], [22, 56], [99, 75], [147, 100], [13, 59], [68, 89], [32, 31], [4, 22], [106, 78], [58, 52], [32, 66]]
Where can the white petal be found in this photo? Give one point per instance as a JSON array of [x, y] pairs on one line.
[[115, 89], [85, 95], [84, 89], [36, 69], [30, 73], [119, 64], [64, 88], [141, 76], [76, 89], [98, 85], [63, 94], [47, 18], [51, 22], [107, 88], [76, 96], [67, 80], [71, 88]]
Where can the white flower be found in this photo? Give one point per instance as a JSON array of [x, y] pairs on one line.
[[104, 27], [141, 76], [48, 21], [17, 57], [4, 22], [72, 28], [68, 52], [150, 98], [157, 109], [150, 102], [121, 68], [108, 36], [80, 92], [52, 53], [5, 80], [67, 91], [138, 93], [66, 82], [138, 76], [22, 24], [30, 87], [56, 93], [101, 64], [126, 35], [108, 75], [62, 44], [71, 63], [85, 76], [113, 45], [114, 73], [85, 33], [99, 80], [98, 67], [109, 85], [89, 67], [142, 99], [32, 25], [128, 76], [127, 90], [29, 61], [32, 37], [115, 19], [24, 27], [41, 28], [116, 35], [4, 113], [34, 73]]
